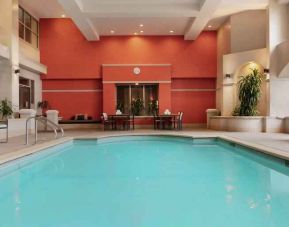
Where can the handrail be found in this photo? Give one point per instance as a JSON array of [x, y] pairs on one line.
[[43, 120]]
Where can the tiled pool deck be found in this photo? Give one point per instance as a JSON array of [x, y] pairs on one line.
[[274, 143]]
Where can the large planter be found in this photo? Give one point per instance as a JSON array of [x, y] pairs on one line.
[[237, 124], [17, 127]]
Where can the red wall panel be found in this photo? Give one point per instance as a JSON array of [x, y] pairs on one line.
[[148, 73], [71, 103], [193, 104], [72, 84], [193, 97], [195, 83], [68, 55]]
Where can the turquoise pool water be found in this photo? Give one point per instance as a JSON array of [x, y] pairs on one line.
[[145, 182]]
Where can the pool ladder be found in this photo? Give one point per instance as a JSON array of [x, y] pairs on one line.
[[46, 123]]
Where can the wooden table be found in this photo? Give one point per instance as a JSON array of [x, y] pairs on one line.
[[122, 119]]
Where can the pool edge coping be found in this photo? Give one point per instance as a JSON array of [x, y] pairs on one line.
[[24, 152], [8, 157]]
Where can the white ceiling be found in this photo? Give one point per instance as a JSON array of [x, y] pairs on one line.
[[97, 18], [151, 26]]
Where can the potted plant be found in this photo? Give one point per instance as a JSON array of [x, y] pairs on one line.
[[120, 107], [5, 109], [137, 106], [249, 89], [43, 106], [154, 107]]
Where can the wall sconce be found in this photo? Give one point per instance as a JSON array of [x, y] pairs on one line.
[[228, 75], [266, 71]]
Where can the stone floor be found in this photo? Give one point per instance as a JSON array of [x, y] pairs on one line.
[[277, 141]]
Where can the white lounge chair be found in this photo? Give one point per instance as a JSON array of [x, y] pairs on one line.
[[4, 126]]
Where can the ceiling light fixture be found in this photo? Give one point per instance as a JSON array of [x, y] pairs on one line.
[[209, 26], [112, 32], [171, 31], [63, 15], [141, 31], [141, 25], [135, 33]]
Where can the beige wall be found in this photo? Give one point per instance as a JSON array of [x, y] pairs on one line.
[[278, 34], [248, 30], [27, 51], [9, 81], [224, 47], [5, 22], [241, 39], [9, 25]]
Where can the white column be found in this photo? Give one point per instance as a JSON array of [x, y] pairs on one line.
[[15, 55]]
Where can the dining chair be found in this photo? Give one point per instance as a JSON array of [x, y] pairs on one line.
[[178, 121], [107, 123]]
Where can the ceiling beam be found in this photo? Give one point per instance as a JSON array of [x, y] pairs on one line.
[[142, 10], [207, 10], [142, 13], [73, 9]]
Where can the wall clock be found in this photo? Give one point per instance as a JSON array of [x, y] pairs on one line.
[[136, 70]]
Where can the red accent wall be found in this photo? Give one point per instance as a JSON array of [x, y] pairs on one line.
[[148, 73], [193, 97], [75, 64], [72, 97]]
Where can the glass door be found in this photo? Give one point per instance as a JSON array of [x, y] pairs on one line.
[[24, 97]]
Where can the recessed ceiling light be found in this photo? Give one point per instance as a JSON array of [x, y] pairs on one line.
[[209, 26], [141, 25], [135, 33], [112, 32], [141, 31], [63, 15], [171, 31]]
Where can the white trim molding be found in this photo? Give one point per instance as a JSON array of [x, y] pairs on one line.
[[137, 82], [194, 90], [72, 91], [126, 65]]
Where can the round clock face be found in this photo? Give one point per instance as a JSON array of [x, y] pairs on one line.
[[136, 70]]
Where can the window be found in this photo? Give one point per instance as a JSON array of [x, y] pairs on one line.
[[145, 94], [28, 28], [26, 93]]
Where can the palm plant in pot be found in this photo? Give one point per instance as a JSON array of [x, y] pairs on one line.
[[137, 106], [6, 110], [43, 106], [249, 93], [153, 107]]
